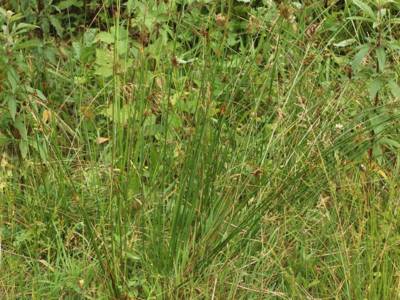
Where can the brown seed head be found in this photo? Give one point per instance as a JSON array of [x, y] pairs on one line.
[[221, 20]]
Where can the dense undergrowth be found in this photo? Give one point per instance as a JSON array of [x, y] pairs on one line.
[[189, 149]]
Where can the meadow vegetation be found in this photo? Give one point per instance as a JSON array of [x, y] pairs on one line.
[[199, 149]]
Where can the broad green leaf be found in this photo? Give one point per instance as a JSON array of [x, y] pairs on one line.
[[121, 33], [119, 115], [42, 148], [105, 37], [377, 153], [378, 123], [122, 47], [23, 148], [129, 6], [77, 48], [16, 17], [3, 12], [31, 43], [344, 43], [19, 124], [394, 88], [358, 58], [104, 71], [104, 57], [12, 106], [365, 8], [45, 25], [13, 79], [24, 27], [89, 36], [56, 24], [104, 62], [69, 3], [381, 56], [36, 92], [373, 87], [40, 95]]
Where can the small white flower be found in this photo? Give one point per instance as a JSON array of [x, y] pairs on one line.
[[339, 126]]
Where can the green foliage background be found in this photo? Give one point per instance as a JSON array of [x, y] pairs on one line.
[[209, 149]]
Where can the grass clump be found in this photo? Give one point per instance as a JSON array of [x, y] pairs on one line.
[[199, 150]]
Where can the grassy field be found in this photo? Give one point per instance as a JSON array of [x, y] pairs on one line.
[[189, 149]]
